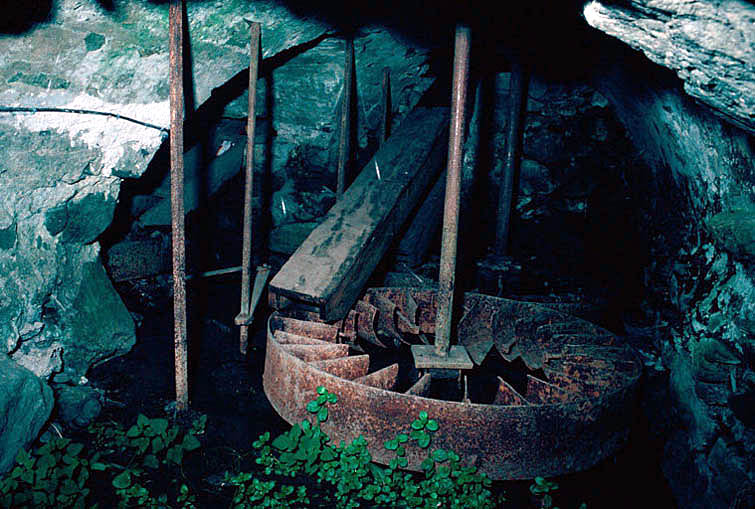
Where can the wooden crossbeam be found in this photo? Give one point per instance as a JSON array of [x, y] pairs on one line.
[[330, 268]]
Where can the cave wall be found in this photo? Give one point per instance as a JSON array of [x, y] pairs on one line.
[[697, 200], [84, 105]]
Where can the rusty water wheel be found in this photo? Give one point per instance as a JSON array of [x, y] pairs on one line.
[[549, 394]]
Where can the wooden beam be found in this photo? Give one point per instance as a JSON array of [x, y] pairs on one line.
[[330, 268]]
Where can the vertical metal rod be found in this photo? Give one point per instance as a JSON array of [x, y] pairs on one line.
[[343, 146], [246, 249], [453, 188], [177, 201], [385, 121], [517, 100]]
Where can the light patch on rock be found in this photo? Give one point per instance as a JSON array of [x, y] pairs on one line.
[[110, 135]]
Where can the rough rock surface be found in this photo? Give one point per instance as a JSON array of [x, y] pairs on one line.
[[710, 44], [91, 84], [297, 132], [700, 284], [25, 404]]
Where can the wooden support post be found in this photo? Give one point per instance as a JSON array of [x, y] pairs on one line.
[[246, 247], [385, 121], [330, 268], [343, 146], [517, 101], [175, 31]]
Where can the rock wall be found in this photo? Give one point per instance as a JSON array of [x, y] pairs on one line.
[[709, 43], [84, 105], [25, 404], [699, 307]]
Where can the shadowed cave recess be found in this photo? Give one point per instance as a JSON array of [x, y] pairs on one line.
[[610, 320]]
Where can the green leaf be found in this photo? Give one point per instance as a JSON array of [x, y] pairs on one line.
[[100, 467], [328, 454], [423, 441], [322, 415], [417, 424], [423, 416], [74, 449], [427, 464], [440, 455], [160, 426], [122, 480], [191, 442], [402, 438], [175, 455], [133, 431], [283, 443], [321, 390], [332, 398], [158, 444], [151, 461], [142, 420], [391, 445], [313, 407], [432, 425]]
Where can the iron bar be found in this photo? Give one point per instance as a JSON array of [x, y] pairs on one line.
[[453, 187], [385, 121], [517, 100], [246, 249], [343, 146], [175, 29], [215, 272]]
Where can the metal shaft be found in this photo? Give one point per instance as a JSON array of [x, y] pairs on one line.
[[177, 202], [246, 249], [453, 188], [343, 146], [385, 122], [517, 101]]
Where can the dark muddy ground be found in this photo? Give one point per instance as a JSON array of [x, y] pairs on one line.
[[227, 387]]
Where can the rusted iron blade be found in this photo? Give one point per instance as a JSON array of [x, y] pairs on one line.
[[348, 327], [247, 311], [366, 322], [309, 353], [404, 323], [569, 384], [603, 339], [385, 378], [507, 395], [316, 330], [286, 338], [479, 350], [386, 316], [540, 392], [449, 239], [176, 30], [345, 367], [421, 386], [405, 308], [583, 422], [571, 327]]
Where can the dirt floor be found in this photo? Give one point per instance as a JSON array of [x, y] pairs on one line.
[[227, 387]]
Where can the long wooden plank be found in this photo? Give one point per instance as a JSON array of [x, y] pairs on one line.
[[330, 268]]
